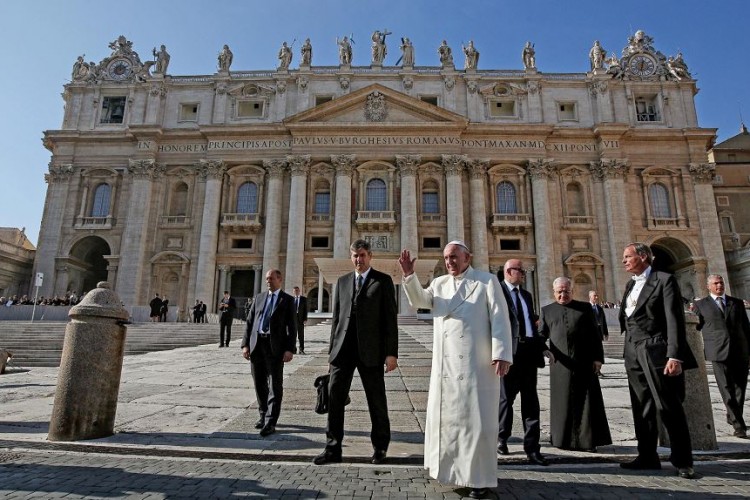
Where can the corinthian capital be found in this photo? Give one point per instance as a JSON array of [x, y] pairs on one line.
[[703, 173], [145, 169], [59, 173], [477, 168], [609, 168], [540, 168], [275, 168], [453, 164], [344, 164], [298, 164], [211, 169], [408, 164]]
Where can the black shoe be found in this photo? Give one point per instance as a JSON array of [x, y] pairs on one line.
[[226, 345], [301, 351], [642, 464], [327, 457], [478, 492], [502, 449], [536, 458], [267, 430], [260, 423], [221, 345], [378, 457], [686, 473]]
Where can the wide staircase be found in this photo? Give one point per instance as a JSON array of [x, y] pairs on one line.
[[40, 343]]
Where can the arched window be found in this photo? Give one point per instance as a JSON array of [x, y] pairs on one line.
[[247, 198], [659, 198], [430, 200], [375, 196], [576, 205], [178, 203], [505, 194], [100, 207], [322, 199]]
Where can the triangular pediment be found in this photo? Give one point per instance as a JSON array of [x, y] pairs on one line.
[[375, 105]]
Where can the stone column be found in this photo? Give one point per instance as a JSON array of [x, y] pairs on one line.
[[212, 173], [342, 226], [613, 173], [539, 170], [258, 279], [299, 166], [320, 291], [478, 172], [58, 178], [272, 227], [134, 262], [408, 165], [454, 166], [708, 219], [223, 272]]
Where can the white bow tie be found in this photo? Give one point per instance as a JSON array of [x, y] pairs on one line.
[[639, 278]]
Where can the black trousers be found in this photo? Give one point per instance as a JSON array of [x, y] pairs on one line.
[[268, 375], [373, 382], [652, 392], [228, 327], [301, 335], [731, 377], [522, 378]]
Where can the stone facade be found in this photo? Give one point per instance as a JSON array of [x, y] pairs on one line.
[[191, 185], [16, 261]]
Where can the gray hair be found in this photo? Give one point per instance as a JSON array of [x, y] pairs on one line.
[[562, 280], [642, 249], [712, 276]]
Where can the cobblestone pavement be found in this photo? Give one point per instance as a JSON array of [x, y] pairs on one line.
[[45, 474]]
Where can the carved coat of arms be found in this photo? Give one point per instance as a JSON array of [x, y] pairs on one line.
[[376, 108]]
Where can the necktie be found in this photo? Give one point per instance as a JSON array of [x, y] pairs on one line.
[[267, 315], [519, 313], [720, 303], [296, 304], [359, 284]]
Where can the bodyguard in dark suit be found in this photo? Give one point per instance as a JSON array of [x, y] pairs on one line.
[[726, 334], [364, 335], [268, 344], [656, 353], [226, 316], [601, 319], [300, 307], [529, 349]]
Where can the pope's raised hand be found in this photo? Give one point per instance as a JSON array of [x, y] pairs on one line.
[[406, 262]]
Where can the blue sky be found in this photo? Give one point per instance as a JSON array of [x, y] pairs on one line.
[[40, 41]]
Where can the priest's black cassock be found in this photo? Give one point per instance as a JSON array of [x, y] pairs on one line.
[[577, 417]]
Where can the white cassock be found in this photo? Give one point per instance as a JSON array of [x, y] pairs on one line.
[[471, 328]]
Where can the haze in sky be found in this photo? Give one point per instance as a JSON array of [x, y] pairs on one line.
[[41, 40]]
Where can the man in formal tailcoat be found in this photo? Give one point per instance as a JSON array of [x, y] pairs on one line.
[[656, 353], [227, 307], [364, 336], [300, 307], [529, 350], [601, 319], [726, 334], [268, 343]]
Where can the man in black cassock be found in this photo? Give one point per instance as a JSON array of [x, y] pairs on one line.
[[577, 417]]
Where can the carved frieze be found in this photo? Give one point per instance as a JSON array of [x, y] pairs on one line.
[[609, 168], [408, 164], [540, 168], [146, 169], [344, 164], [298, 164], [702, 173], [453, 164], [275, 168], [211, 169]]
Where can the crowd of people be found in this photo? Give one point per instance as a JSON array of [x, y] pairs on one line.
[[69, 299]]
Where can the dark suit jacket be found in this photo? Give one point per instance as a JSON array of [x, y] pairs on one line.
[[301, 310], [375, 306], [724, 334], [574, 336], [601, 320], [282, 325], [226, 315], [660, 317], [538, 342]]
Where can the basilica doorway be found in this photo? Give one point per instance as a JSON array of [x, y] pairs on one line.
[[673, 256], [86, 265]]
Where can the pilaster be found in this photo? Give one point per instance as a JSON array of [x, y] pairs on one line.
[[299, 166], [272, 227], [454, 167], [342, 228], [478, 174], [540, 170], [408, 165]]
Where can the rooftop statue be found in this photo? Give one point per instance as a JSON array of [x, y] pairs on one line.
[[677, 67], [597, 55], [446, 54], [225, 58], [162, 60], [379, 49], [345, 50], [472, 56], [407, 52], [285, 56], [306, 53], [528, 56]]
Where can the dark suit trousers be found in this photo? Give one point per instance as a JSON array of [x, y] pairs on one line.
[[520, 379], [225, 325], [731, 377], [650, 392], [268, 375], [301, 335], [373, 382]]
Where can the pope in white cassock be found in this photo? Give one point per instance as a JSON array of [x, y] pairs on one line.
[[472, 349]]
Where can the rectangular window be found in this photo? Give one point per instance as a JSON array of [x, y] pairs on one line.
[[322, 203], [431, 242], [647, 109], [244, 243], [188, 113], [718, 179], [113, 110], [319, 242], [726, 225], [502, 109], [250, 109], [510, 244], [566, 111], [322, 99], [722, 201], [430, 204], [429, 99]]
